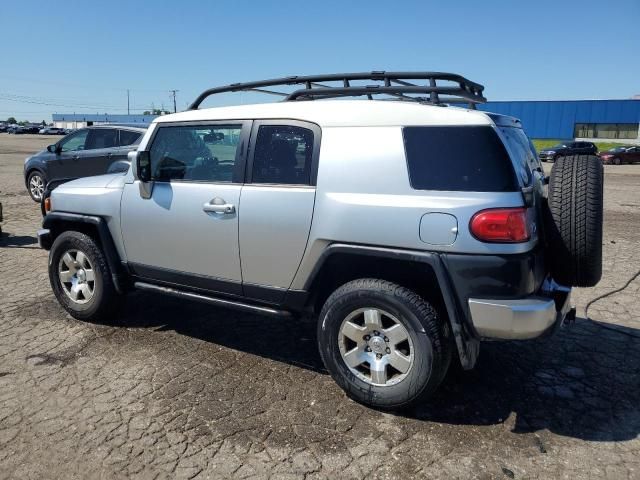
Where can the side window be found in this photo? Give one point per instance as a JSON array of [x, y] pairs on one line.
[[282, 155], [75, 141], [468, 159], [101, 138], [205, 153], [128, 137]]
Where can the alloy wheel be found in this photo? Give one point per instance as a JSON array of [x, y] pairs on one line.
[[77, 276], [376, 346]]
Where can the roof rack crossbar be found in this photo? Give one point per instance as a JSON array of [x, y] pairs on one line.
[[394, 84]]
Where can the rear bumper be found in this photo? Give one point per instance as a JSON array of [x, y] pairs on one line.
[[524, 318]]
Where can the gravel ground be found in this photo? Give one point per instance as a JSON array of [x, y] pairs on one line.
[[177, 390]]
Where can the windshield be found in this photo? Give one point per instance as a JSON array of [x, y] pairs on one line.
[[560, 145]]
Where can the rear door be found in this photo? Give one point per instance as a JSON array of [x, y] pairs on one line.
[[102, 144], [128, 141], [277, 205]]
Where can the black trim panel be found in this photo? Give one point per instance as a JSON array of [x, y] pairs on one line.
[[186, 280]]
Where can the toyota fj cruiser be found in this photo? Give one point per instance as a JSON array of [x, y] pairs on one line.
[[412, 229]]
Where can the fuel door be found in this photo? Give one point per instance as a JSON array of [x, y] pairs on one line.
[[438, 228]]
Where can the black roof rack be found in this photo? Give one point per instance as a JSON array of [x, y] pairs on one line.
[[407, 86]]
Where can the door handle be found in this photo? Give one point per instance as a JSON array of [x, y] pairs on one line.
[[218, 205]]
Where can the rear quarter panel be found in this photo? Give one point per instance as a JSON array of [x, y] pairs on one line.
[[364, 197]]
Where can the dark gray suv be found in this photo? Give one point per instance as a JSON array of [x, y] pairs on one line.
[[83, 153]]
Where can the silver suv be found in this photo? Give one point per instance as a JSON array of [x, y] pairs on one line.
[[412, 229]]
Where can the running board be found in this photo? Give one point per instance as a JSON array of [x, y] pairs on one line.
[[221, 302]]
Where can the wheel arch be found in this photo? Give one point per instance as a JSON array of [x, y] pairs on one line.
[[422, 272], [30, 171], [96, 227]]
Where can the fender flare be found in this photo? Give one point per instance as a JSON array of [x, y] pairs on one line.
[[467, 344], [52, 220]]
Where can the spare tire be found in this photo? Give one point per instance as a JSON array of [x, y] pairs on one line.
[[574, 220]]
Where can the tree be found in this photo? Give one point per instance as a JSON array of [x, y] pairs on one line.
[[11, 120], [44, 124]]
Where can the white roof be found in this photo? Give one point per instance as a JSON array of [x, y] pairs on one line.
[[340, 113]]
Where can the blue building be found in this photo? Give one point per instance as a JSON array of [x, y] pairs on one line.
[[605, 120], [81, 120]]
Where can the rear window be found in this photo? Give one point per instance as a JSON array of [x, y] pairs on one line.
[[469, 159], [128, 137]]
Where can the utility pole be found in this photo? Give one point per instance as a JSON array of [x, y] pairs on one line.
[[173, 92], [127, 101]]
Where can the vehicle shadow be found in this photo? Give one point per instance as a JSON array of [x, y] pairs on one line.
[[583, 383], [17, 241]]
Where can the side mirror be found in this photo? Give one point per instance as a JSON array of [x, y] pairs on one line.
[[143, 165], [52, 148]]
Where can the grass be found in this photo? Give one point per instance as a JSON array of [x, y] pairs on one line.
[[545, 144]]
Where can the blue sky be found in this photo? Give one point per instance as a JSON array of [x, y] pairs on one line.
[[80, 56]]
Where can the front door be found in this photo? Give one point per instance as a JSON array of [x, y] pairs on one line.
[[65, 163], [186, 233]]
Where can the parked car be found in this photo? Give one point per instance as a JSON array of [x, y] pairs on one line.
[[52, 131], [568, 148], [620, 155], [86, 152], [16, 129], [345, 213]]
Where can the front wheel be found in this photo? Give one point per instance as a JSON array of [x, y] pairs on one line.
[[617, 161], [383, 344], [80, 277], [36, 184]]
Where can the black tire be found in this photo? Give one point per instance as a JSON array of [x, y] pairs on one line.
[[574, 222], [32, 175], [617, 161], [430, 337], [105, 299]]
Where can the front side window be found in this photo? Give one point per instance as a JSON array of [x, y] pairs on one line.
[[128, 137], [283, 155], [468, 159], [205, 153], [74, 142]]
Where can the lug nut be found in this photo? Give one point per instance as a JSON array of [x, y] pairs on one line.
[[388, 350], [366, 338], [367, 349], [386, 339], [375, 332], [378, 356]]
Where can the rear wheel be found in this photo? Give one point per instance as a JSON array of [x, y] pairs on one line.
[[574, 221], [383, 344], [80, 277], [36, 184]]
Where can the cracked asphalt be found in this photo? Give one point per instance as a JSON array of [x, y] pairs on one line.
[[171, 389]]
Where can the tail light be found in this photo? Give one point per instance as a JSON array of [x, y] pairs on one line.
[[502, 225]]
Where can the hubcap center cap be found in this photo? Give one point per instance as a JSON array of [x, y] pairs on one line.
[[82, 276], [377, 344]]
